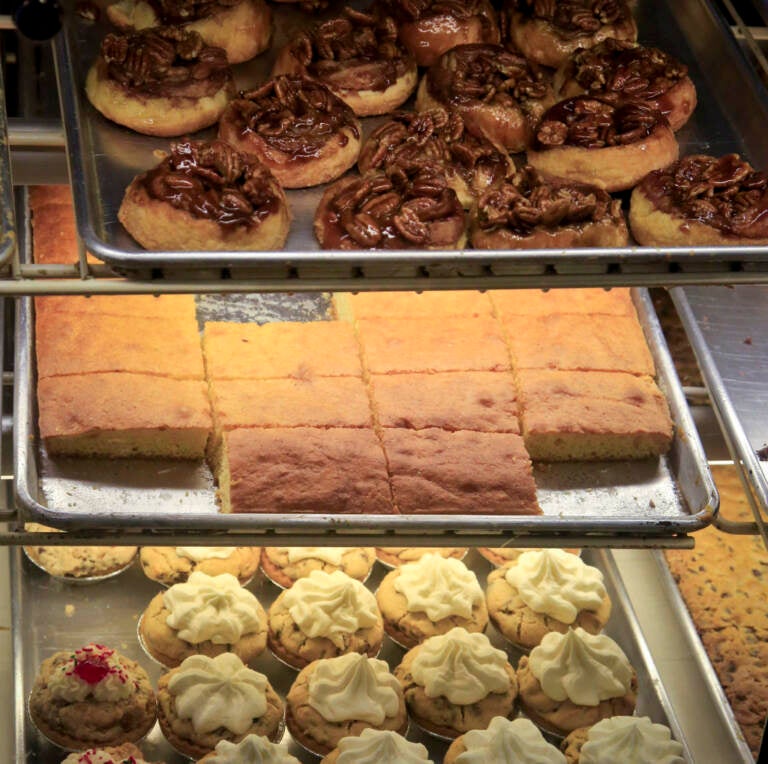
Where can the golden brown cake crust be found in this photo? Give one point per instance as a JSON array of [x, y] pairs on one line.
[[164, 565], [533, 302], [356, 562], [430, 304], [166, 307]]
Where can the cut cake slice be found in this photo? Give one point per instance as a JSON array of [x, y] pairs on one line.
[[465, 304], [173, 306], [534, 302]]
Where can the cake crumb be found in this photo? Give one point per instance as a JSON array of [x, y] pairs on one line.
[[69, 610]]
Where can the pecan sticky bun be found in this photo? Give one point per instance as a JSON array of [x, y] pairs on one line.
[[500, 96], [357, 56], [164, 81], [621, 70], [701, 200], [391, 210], [438, 138], [548, 31], [300, 130], [593, 140], [428, 28], [206, 196], [242, 27], [532, 212]]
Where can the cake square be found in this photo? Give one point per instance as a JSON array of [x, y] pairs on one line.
[[78, 344], [176, 306], [123, 415], [303, 469], [438, 472], [534, 302], [39, 196], [402, 345], [54, 235], [483, 401], [592, 415], [578, 342], [465, 304], [280, 350]]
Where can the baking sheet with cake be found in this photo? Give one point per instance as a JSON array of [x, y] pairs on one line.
[[50, 616], [105, 157]]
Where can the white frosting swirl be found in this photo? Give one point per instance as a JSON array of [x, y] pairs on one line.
[[200, 553], [252, 749], [380, 747], [331, 605], [581, 667], [100, 756], [463, 667], [211, 608], [556, 583], [93, 671], [330, 554], [630, 740], [505, 740], [354, 687], [218, 692], [438, 586]]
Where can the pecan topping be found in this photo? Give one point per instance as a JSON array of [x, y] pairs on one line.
[[415, 10], [725, 192], [165, 61], [184, 11], [529, 202], [596, 123], [575, 17], [213, 181]]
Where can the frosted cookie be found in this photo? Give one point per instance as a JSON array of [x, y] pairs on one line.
[[170, 565], [206, 615], [285, 565], [252, 748], [430, 596], [122, 754], [92, 696], [377, 747], [207, 700], [503, 554], [456, 682], [322, 616], [544, 591], [392, 556]]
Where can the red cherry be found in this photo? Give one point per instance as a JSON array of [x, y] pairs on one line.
[[91, 670]]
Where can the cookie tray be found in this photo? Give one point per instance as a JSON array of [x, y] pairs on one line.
[[49, 616], [104, 158]]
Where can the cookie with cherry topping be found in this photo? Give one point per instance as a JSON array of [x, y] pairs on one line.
[[500, 96], [357, 56], [164, 81], [623, 70], [437, 137], [548, 31], [297, 127], [532, 212], [701, 200], [391, 210], [242, 27], [206, 196], [592, 140]]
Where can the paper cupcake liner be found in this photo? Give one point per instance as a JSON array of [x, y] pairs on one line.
[[81, 580]]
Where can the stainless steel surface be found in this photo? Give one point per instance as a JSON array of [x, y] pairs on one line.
[[105, 157], [54, 616], [605, 502]]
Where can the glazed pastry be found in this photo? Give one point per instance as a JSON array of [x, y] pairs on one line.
[[421, 599], [206, 615], [357, 57], [324, 615], [591, 140], [503, 554], [392, 556], [624, 70], [338, 697], [574, 680], [297, 128], [543, 591], [701, 200], [623, 738], [532, 211], [377, 747], [437, 137], [500, 96], [503, 740], [170, 565], [252, 748], [242, 27], [391, 210], [206, 196], [456, 682], [92, 697], [164, 81], [428, 28], [123, 754], [549, 32], [285, 565], [206, 700]]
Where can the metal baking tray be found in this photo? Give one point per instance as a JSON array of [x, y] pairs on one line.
[[48, 616], [105, 157], [7, 216]]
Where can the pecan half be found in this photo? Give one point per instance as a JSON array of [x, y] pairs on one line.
[[575, 17]]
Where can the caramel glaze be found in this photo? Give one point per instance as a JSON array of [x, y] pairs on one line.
[[211, 180], [574, 18], [184, 11], [725, 193], [294, 115]]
